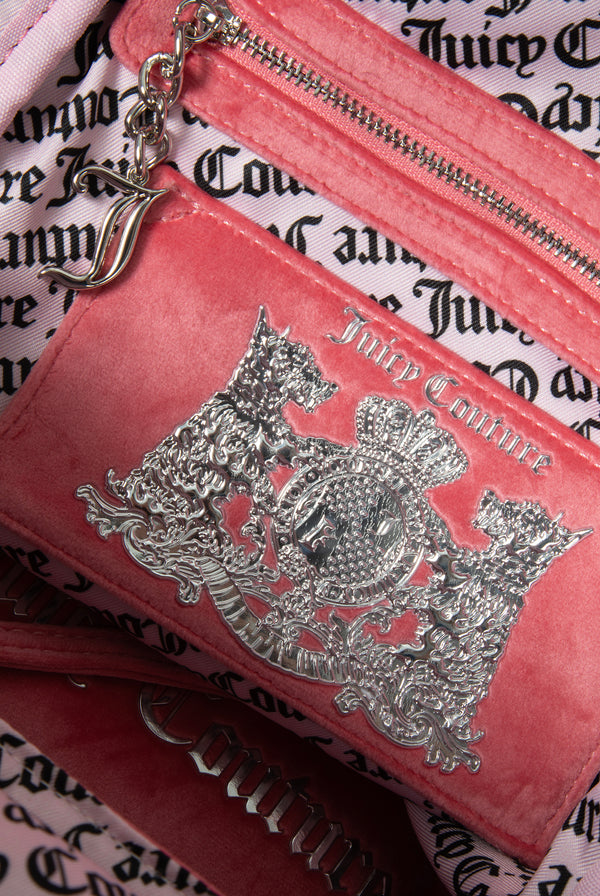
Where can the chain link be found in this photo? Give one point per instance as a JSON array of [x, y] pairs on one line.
[[146, 121], [159, 85]]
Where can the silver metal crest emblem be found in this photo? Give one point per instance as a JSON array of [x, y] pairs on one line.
[[327, 560]]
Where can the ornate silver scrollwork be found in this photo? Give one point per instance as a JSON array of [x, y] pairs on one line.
[[331, 553]]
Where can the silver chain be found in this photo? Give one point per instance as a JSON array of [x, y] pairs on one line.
[[146, 121], [146, 125]]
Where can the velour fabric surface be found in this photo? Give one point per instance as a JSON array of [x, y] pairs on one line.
[[84, 651], [97, 736], [509, 154], [134, 361]]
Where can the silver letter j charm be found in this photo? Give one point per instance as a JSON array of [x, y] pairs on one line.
[[129, 211]]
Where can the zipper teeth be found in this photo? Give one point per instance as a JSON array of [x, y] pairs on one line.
[[309, 81]]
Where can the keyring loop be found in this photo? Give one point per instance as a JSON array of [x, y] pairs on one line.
[[206, 16]]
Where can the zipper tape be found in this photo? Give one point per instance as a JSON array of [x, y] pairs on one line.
[[486, 196], [296, 483]]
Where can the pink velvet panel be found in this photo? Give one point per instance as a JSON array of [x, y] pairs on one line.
[[519, 279], [132, 362]]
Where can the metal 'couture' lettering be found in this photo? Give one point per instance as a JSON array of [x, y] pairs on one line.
[[219, 753]]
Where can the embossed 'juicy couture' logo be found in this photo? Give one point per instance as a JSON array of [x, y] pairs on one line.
[[439, 391], [327, 560]]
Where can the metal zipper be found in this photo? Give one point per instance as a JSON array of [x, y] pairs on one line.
[[146, 123], [231, 31]]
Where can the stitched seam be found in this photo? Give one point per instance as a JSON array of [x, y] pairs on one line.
[[450, 100], [295, 122], [591, 760], [27, 30], [11, 425], [370, 178]]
